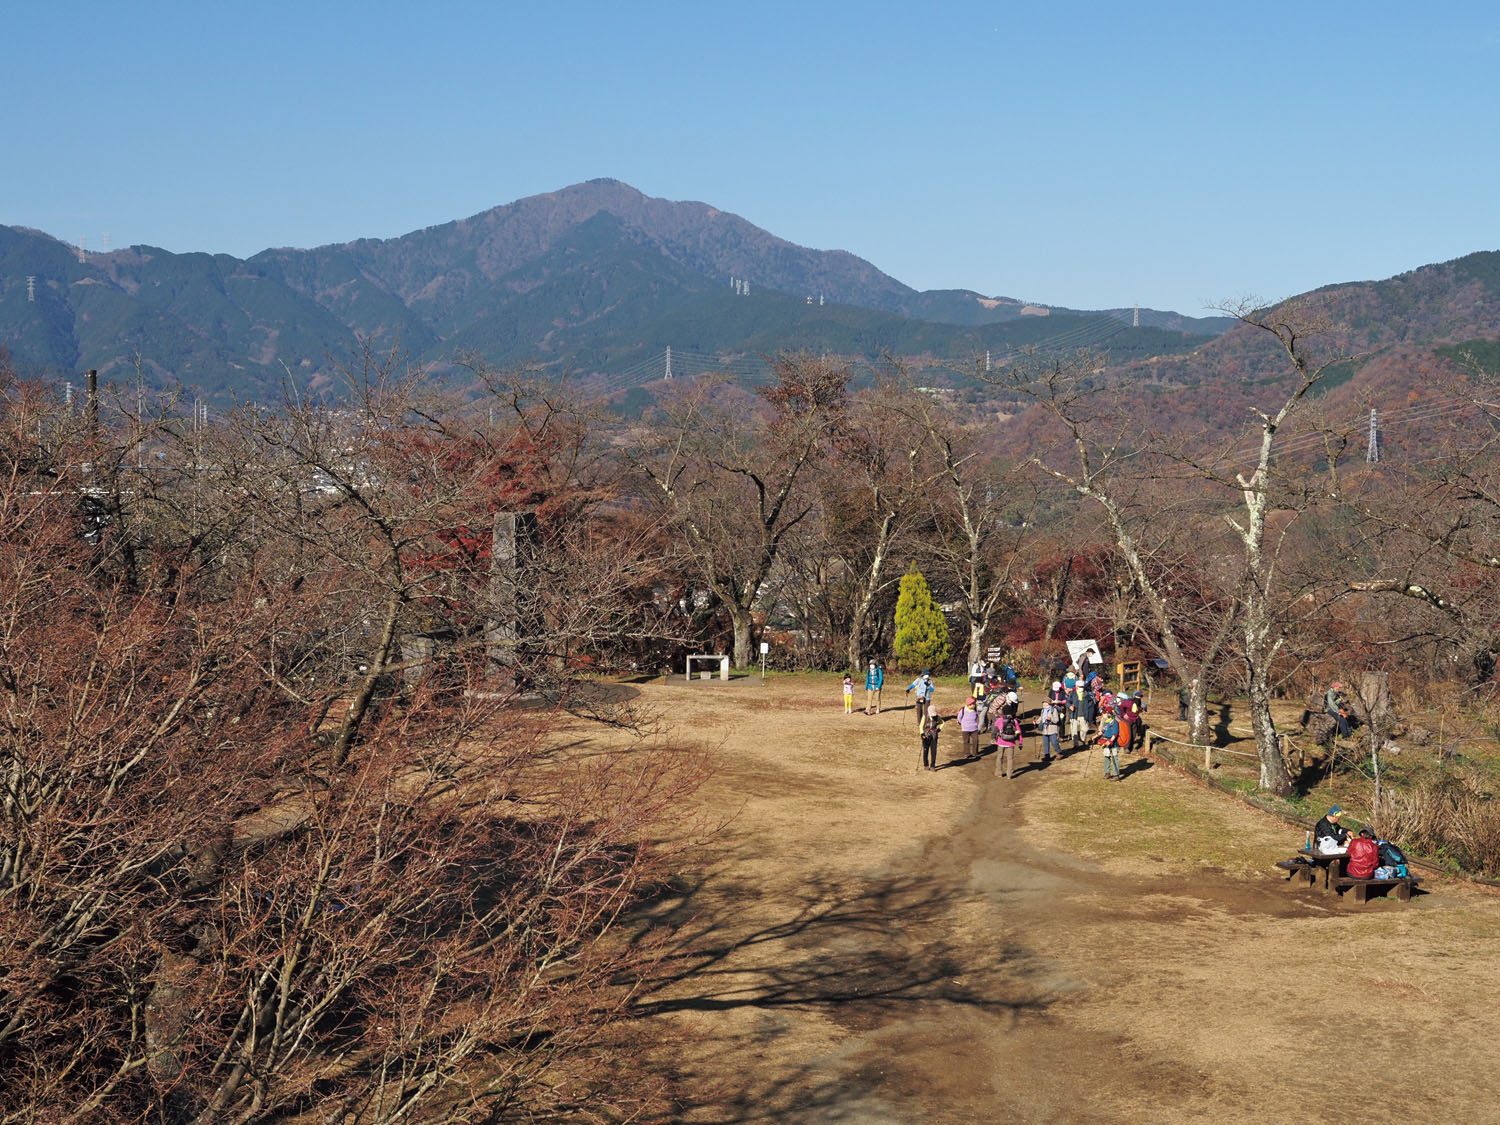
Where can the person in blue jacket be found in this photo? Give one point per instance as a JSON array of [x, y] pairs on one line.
[[874, 681], [924, 687]]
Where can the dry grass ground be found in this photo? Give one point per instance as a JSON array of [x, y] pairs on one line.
[[867, 942]]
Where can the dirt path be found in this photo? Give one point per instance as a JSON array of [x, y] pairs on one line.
[[872, 943]]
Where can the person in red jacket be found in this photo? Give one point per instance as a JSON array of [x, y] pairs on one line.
[[1364, 855]]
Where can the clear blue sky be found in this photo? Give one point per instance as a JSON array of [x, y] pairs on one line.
[[1083, 154]]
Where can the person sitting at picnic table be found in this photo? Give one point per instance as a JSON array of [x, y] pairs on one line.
[[1329, 836]]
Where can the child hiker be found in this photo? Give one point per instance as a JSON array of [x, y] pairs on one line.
[[848, 694]]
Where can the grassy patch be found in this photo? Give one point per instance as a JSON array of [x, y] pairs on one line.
[[1159, 818]]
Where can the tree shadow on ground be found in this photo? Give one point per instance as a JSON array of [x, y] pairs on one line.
[[864, 953]]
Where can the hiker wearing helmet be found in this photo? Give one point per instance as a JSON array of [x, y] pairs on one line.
[[1337, 705]]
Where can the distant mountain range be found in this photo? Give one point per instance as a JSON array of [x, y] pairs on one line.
[[597, 279]]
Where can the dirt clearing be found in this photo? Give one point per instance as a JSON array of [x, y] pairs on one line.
[[869, 942]]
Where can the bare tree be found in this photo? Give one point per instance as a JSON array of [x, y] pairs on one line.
[[731, 474], [980, 510], [1264, 626], [1105, 456], [204, 915]]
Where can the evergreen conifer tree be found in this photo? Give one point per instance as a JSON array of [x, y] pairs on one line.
[[921, 629]]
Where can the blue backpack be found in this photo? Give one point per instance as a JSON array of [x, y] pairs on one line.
[[1393, 857]]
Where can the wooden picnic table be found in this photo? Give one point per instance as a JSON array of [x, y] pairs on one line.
[[1306, 865]]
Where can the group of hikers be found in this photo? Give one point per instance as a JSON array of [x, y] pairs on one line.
[[1077, 705]]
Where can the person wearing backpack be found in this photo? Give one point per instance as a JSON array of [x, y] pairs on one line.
[[1088, 702], [1364, 856], [1007, 739], [1078, 726], [982, 698], [968, 723], [1125, 713], [1109, 744], [924, 688], [1049, 725], [928, 732]]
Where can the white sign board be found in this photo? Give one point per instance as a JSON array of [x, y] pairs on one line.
[[1076, 649], [765, 647]]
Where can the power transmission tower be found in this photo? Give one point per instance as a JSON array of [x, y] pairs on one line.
[[31, 287], [1136, 323], [1372, 451], [669, 363]]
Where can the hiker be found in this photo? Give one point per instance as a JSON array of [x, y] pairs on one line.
[[924, 688], [1184, 698], [874, 681], [848, 694], [1008, 738], [928, 733], [1137, 708], [1329, 836], [1078, 727], [1109, 744], [968, 723], [1336, 704], [1125, 713], [1012, 680], [1057, 696], [1091, 667], [1049, 724], [976, 672], [1011, 705], [982, 697], [1088, 704]]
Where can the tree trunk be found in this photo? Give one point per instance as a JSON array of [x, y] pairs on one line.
[[1058, 598], [740, 616], [976, 638], [867, 595], [1198, 711], [1273, 772], [500, 636]]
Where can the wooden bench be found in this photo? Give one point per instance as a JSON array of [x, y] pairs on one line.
[[1363, 887]]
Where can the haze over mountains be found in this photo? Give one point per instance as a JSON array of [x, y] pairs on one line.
[[593, 278], [599, 279]]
